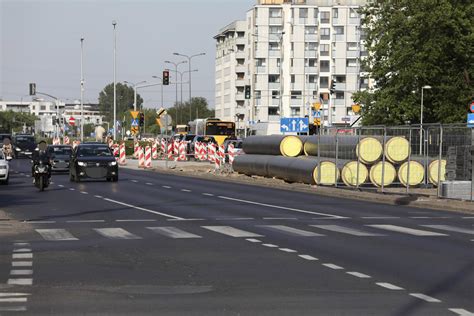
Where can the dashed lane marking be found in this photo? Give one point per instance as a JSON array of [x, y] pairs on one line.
[[270, 245], [359, 275], [345, 230], [461, 312], [86, 221], [143, 209], [451, 229], [148, 183], [389, 286], [333, 266], [173, 232], [14, 294], [278, 207], [166, 186], [208, 194], [380, 217], [280, 218], [83, 192], [253, 240], [72, 189], [99, 196], [40, 222], [134, 181], [291, 231], [116, 233], [135, 220], [234, 218], [60, 185], [56, 234], [231, 231], [308, 257], [287, 250], [425, 298], [185, 190], [406, 230]]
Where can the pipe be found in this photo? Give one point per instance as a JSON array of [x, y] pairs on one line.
[[288, 146], [382, 173]]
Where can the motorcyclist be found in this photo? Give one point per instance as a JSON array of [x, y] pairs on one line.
[[41, 155]]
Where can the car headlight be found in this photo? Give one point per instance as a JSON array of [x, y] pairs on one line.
[[112, 163], [82, 164], [17, 149]]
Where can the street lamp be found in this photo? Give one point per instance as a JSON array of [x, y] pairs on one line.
[[181, 73], [114, 23], [176, 71], [134, 85], [421, 117], [161, 80], [82, 92]]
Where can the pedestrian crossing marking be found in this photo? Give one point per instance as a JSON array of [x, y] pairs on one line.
[[173, 232], [451, 229], [116, 233], [291, 231], [56, 234], [406, 230], [345, 230], [231, 231]]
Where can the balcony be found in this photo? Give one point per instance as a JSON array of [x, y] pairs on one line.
[[240, 69], [310, 54], [260, 69], [340, 87], [352, 54], [311, 37], [274, 118], [311, 70], [311, 86], [274, 37], [274, 85], [274, 53], [240, 83], [240, 41], [239, 97], [275, 21], [339, 102], [352, 70], [339, 38], [308, 21], [240, 54], [296, 86]]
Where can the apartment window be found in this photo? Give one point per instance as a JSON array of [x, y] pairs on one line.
[[273, 78], [335, 13], [240, 34], [324, 65], [273, 46], [340, 79], [293, 78], [351, 62], [278, 62], [324, 82], [325, 15], [311, 62], [353, 13], [352, 46], [275, 30], [340, 95], [325, 33], [275, 94], [316, 13], [43, 107], [296, 94], [324, 49], [313, 79], [272, 111], [275, 12], [257, 94], [311, 30], [311, 46], [261, 62], [303, 13], [295, 111], [339, 30]]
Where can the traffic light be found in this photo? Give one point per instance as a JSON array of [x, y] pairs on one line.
[[333, 86], [166, 77], [142, 119], [247, 92], [32, 88]]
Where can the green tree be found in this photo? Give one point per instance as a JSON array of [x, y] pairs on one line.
[[182, 113], [15, 121], [125, 95], [411, 44]]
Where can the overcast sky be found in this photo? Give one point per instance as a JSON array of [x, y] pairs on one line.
[[40, 42]]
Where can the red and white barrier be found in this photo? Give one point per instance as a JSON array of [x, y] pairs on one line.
[[123, 155], [221, 152], [136, 149], [231, 153], [141, 158], [211, 152], [217, 158], [154, 151], [163, 146], [115, 148], [75, 144], [170, 150], [147, 157], [182, 151], [66, 140], [176, 147]]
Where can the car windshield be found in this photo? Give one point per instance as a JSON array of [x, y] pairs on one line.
[[94, 151], [25, 139], [60, 151]]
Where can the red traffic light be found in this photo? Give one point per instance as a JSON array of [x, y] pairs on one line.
[[166, 77]]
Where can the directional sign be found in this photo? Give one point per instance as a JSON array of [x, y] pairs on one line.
[[470, 120], [134, 122], [294, 125]]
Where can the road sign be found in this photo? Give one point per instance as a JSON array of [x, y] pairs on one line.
[[134, 130], [470, 120], [471, 107], [134, 122], [72, 121], [294, 124], [134, 114]]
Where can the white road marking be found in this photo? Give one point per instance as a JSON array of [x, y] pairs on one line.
[[87, 221], [135, 220], [60, 185], [185, 190], [21, 281], [359, 275], [148, 183], [270, 245], [166, 186], [22, 256], [22, 264], [380, 217], [173, 232], [13, 309], [143, 209], [134, 181], [116, 233], [291, 231], [333, 266], [345, 230], [278, 207], [21, 244], [461, 312], [468, 217], [56, 234], [331, 218], [253, 240], [308, 257], [420, 217], [208, 194], [22, 250], [280, 218], [234, 218], [231, 231], [82, 192], [13, 294], [21, 272], [406, 230], [13, 300], [451, 229], [425, 298], [389, 286], [185, 219], [287, 250], [72, 189], [41, 222], [99, 196]]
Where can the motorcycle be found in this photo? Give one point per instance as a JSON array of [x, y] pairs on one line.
[[41, 173]]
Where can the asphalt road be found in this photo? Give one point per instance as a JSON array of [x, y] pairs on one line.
[[158, 244]]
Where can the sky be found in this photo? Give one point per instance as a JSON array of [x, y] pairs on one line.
[[40, 43]]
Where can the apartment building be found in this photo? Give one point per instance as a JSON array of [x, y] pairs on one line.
[[289, 52]]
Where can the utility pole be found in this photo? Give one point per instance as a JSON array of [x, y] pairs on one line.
[[82, 91], [114, 23]]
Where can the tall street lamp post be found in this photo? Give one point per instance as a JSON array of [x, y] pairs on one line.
[[134, 85], [161, 80], [82, 92], [421, 118], [176, 82], [189, 57], [114, 23]]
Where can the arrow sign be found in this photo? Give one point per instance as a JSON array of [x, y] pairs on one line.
[[303, 126], [294, 125], [285, 127]]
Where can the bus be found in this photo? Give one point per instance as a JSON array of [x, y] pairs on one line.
[[219, 130], [182, 129]]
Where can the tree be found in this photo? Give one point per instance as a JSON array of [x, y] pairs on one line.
[[182, 113], [125, 95], [14, 121], [411, 44]]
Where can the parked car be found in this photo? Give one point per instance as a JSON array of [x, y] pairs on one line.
[[93, 161], [61, 156], [23, 145], [4, 169]]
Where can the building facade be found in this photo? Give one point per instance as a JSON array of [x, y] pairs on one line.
[[289, 52]]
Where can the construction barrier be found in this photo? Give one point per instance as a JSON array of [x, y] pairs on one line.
[[141, 158], [154, 151], [123, 155], [147, 157]]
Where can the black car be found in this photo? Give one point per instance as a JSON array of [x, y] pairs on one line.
[[93, 161], [60, 155], [23, 145]]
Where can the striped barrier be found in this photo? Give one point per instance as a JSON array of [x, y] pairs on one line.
[[154, 151], [141, 158], [147, 164], [136, 148], [231, 153]]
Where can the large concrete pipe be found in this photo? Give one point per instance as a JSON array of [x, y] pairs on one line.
[[349, 147], [252, 164], [433, 171], [397, 149], [326, 173], [292, 169], [354, 173], [288, 146], [382, 170], [412, 173]]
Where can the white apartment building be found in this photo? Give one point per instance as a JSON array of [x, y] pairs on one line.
[[288, 52]]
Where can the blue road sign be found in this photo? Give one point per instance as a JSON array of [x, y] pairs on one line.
[[294, 124], [134, 122], [470, 120]]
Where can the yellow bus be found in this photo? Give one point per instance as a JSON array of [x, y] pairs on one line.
[[220, 130]]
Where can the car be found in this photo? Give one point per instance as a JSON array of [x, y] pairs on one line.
[[60, 156], [23, 145], [93, 161], [4, 169]]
